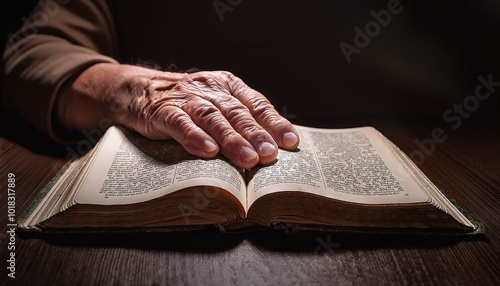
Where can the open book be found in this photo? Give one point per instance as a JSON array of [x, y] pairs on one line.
[[338, 179]]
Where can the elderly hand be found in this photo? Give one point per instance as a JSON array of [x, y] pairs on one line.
[[206, 112]]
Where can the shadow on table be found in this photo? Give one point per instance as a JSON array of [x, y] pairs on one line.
[[211, 240]]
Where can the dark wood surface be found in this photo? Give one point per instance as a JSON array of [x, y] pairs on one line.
[[465, 166]]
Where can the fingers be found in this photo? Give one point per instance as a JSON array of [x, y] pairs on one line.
[[244, 124], [187, 126], [264, 113], [173, 122], [240, 138], [211, 112]]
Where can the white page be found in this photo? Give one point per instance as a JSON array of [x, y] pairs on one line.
[[123, 174], [352, 165]]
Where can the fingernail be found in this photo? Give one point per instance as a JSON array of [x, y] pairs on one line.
[[209, 146], [247, 154], [266, 149], [290, 139]]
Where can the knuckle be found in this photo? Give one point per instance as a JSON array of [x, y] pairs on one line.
[[176, 122], [243, 122], [261, 108], [248, 127], [252, 131], [226, 75], [229, 137], [237, 114], [259, 102], [191, 134], [204, 111], [233, 83], [226, 101], [275, 120]]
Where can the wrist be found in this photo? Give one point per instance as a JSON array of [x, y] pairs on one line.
[[87, 98]]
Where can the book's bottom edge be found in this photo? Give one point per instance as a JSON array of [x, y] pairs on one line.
[[281, 227], [294, 228]]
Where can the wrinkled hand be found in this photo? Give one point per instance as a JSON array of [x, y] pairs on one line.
[[206, 112]]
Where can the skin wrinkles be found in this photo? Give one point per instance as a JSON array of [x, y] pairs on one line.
[[206, 112], [223, 110], [239, 116]]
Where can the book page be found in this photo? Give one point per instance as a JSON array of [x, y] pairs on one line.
[[130, 169], [354, 165]]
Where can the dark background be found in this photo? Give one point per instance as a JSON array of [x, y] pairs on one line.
[[424, 61], [427, 58]]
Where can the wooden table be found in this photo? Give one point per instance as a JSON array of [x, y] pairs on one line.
[[465, 165]]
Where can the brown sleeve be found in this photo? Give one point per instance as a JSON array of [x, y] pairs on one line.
[[59, 39]]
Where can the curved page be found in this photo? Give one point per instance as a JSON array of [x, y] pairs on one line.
[[130, 169]]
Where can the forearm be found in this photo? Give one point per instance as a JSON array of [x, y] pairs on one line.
[[90, 97], [38, 59]]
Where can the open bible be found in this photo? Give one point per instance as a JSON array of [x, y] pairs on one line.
[[337, 180]]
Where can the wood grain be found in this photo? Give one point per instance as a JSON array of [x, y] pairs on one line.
[[465, 166]]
